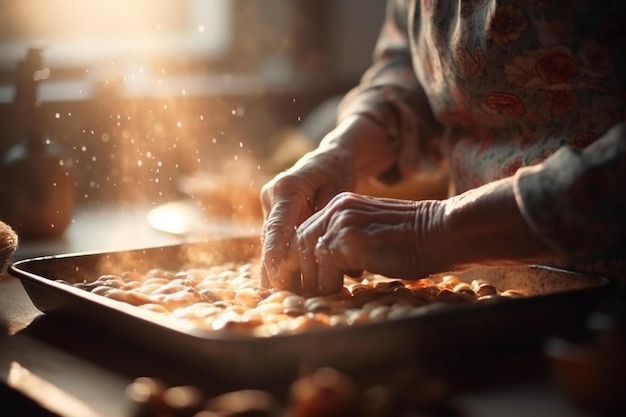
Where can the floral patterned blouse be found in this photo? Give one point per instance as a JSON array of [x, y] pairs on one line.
[[534, 89]]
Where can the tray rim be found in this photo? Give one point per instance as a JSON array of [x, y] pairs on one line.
[[17, 270]]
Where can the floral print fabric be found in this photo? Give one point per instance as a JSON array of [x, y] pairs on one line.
[[531, 88]]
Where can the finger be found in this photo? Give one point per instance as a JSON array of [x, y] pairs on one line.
[[286, 271], [308, 263], [277, 255], [330, 275], [290, 268], [308, 235], [341, 245]]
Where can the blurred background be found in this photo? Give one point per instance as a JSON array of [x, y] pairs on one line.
[[145, 93]]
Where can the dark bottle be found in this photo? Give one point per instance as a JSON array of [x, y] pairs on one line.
[[38, 187]]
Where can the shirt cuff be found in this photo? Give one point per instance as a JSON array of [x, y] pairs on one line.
[[545, 197]]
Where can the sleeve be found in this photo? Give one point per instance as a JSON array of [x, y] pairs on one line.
[[576, 200], [390, 94]]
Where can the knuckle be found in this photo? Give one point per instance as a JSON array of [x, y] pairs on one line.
[[343, 201], [281, 184], [285, 184], [349, 240]]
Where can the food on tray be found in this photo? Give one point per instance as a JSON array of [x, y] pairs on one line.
[[229, 297]]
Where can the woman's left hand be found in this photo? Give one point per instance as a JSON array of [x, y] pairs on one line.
[[356, 233]]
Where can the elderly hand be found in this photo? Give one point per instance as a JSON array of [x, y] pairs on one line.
[[410, 239], [356, 233], [288, 200], [357, 148]]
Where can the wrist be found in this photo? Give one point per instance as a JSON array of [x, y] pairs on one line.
[[430, 240], [485, 226], [366, 143]]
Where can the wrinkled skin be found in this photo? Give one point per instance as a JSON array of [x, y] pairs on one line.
[[312, 242], [289, 199], [316, 230], [356, 233]]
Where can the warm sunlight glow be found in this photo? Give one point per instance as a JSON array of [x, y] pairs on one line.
[[186, 218], [68, 18], [77, 30]]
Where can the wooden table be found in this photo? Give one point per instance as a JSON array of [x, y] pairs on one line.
[[50, 366]]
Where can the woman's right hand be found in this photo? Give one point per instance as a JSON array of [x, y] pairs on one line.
[[302, 190]]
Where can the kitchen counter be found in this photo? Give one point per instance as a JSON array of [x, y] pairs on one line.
[[51, 367]]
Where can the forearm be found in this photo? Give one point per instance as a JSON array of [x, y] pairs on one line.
[[571, 204], [485, 226]]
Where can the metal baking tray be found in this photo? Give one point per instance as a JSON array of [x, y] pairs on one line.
[[558, 300]]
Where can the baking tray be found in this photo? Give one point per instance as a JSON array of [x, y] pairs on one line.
[[444, 337]]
